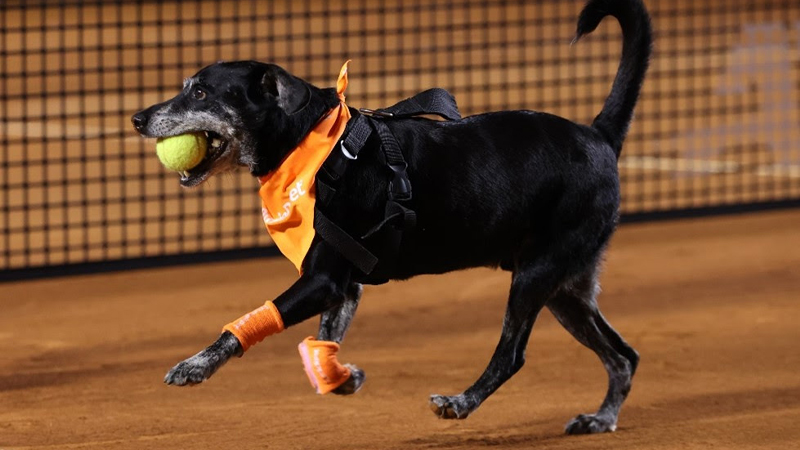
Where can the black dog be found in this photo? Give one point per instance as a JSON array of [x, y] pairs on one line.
[[529, 192]]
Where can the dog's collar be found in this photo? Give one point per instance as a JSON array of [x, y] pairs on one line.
[[293, 194], [288, 194]]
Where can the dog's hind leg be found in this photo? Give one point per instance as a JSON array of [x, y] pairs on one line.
[[575, 307], [333, 325], [532, 283]]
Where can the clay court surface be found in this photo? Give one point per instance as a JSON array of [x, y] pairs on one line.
[[711, 304]]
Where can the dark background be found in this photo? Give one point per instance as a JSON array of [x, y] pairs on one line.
[[716, 129]]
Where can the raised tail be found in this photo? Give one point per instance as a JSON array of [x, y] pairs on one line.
[[637, 42]]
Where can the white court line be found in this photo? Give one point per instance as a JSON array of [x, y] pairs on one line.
[[36, 129], [780, 170], [708, 166], [679, 164]]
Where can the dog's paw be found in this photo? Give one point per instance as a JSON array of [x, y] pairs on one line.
[[589, 424], [194, 370], [354, 383], [455, 407]]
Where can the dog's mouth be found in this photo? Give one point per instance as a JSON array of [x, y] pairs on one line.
[[218, 150]]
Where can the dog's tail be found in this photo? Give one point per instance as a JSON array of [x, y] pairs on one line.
[[637, 34]]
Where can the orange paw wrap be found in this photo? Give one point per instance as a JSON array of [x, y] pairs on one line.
[[323, 369], [253, 327]]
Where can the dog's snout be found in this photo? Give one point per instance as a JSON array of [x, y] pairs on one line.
[[139, 121]]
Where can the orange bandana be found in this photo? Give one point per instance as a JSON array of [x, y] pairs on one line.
[[288, 195]]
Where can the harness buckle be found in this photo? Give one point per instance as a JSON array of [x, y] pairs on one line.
[[375, 112], [347, 154], [400, 186]]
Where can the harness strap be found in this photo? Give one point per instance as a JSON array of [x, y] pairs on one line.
[[436, 101], [394, 211], [354, 252], [397, 217], [400, 185], [356, 137]]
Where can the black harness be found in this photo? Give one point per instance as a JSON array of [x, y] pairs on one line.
[[398, 218]]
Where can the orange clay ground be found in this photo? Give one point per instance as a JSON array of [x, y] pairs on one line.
[[712, 305]]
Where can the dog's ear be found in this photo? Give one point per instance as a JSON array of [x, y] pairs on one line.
[[291, 93]]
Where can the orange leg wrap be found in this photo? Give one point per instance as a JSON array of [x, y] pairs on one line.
[[323, 369], [253, 327]]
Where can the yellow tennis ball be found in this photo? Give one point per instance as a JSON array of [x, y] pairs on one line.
[[182, 152]]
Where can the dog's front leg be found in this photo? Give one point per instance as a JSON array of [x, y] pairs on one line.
[[201, 366], [322, 287], [333, 325]]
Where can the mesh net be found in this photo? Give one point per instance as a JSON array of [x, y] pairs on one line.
[[717, 123]]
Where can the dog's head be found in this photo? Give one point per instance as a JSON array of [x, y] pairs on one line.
[[252, 113]]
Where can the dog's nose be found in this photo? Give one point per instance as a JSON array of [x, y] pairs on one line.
[[139, 121]]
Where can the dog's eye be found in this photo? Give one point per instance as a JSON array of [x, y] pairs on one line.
[[199, 94]]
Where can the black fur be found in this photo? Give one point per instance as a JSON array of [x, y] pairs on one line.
[[615, 118], [526, 191]]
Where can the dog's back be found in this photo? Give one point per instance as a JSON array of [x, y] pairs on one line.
[[486, 184]]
